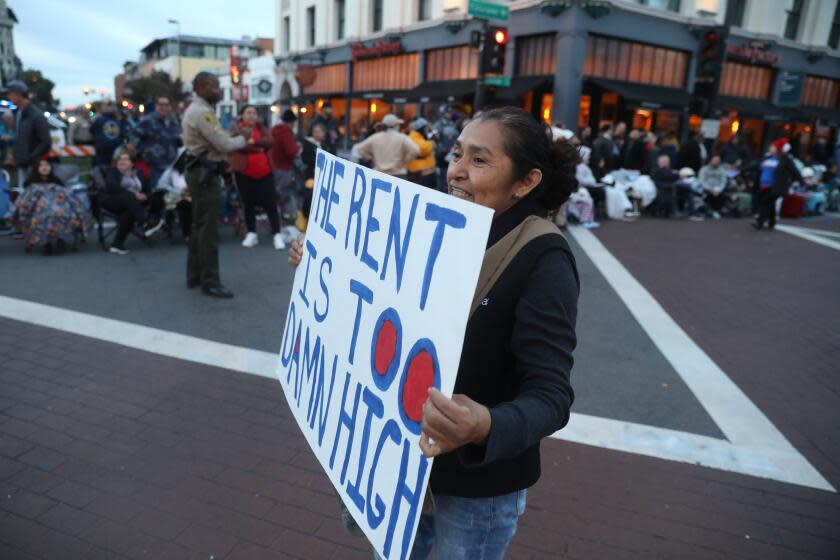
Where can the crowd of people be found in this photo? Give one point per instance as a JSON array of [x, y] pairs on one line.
[[139, 173], [624, 173]]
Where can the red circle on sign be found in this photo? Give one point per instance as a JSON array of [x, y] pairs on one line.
[[386, 347], [420, 376]]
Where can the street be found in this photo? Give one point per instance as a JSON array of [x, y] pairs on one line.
[[139, 419]]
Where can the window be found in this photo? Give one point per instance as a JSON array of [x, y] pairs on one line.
[[794, 14], [834, 35], [739, 7], [627, 61], [310, 26], [670, 5], [377, 15], [287, 32], [424, 10], [339, 19]]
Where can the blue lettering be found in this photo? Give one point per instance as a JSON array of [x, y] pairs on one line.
[[311, 253], [413, 497], [309, 364], [320, 405], [321, 316], [295, 361], [444, 217], [390, 431], [356, 210], [400, 251], [349, 422], [287, 333], [323, 190], [365, 294], [337, 171], [374, 408], [372, 223]]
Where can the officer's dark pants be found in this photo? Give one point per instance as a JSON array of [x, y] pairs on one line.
[[203, 256]]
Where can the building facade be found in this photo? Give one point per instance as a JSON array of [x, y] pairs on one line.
[[579, 62], [9, 62], [184, 56]]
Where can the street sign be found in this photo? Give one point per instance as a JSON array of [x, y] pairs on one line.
[[498, 81], [790, 89], [488, 10]]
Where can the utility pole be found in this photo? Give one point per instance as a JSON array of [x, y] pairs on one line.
[[177, 23], [479, 81]]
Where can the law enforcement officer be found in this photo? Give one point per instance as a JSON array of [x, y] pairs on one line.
[[208, 146]]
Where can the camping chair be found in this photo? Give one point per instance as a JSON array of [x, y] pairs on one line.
[[101, 215]]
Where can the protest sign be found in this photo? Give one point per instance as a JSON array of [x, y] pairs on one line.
[[377, 316]]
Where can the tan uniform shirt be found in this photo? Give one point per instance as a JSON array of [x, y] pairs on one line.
[[202, 133], [389, 150]]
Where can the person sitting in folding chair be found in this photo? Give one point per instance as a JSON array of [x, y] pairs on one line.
[[124, 196]]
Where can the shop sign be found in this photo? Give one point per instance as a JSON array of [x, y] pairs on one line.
[[373, 95], [710, 128], [380, 47], [754, 53], [650, 105], [790, 88]]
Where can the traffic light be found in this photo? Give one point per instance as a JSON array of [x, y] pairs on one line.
[[710, 63], [495, 49], [235, 67]]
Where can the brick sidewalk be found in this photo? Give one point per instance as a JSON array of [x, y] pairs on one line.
[[110, 452]]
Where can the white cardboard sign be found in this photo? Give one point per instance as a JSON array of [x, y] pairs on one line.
[[377, 315]]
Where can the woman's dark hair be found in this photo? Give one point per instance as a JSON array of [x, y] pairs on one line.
[[246, 107], [529, 145], [35, 177]]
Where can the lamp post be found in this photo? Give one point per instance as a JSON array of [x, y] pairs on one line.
[[177, 23]]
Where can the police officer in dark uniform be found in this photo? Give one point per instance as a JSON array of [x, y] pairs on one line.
[[208, 146]]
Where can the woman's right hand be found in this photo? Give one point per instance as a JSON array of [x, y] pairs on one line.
[[296, 251], [140, 196]]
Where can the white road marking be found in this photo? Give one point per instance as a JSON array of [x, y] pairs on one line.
[[754, 445], [148, 339], [814, 235]]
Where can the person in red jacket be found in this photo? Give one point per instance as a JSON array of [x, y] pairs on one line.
[[254, 179], [283, 153]]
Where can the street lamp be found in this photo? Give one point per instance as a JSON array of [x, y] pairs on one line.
[[177, 23]]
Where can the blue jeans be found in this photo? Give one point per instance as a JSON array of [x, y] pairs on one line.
[[469, 528]]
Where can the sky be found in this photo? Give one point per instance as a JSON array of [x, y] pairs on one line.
[[77, 43]]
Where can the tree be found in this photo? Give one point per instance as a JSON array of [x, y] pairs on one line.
[[41, 88], [149, 88]]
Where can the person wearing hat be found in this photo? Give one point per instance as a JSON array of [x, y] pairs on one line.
[[284, 151], [32, 133], [325, 119], [389, 150], [774, 179], [422, 169]]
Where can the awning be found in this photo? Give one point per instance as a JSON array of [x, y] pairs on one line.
[[757, 108], [519, 85], [443, 90], [650, 97]]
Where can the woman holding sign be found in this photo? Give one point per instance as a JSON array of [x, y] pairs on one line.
[[513, 385]]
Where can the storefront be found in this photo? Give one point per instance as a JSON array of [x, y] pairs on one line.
[[578, 66]]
